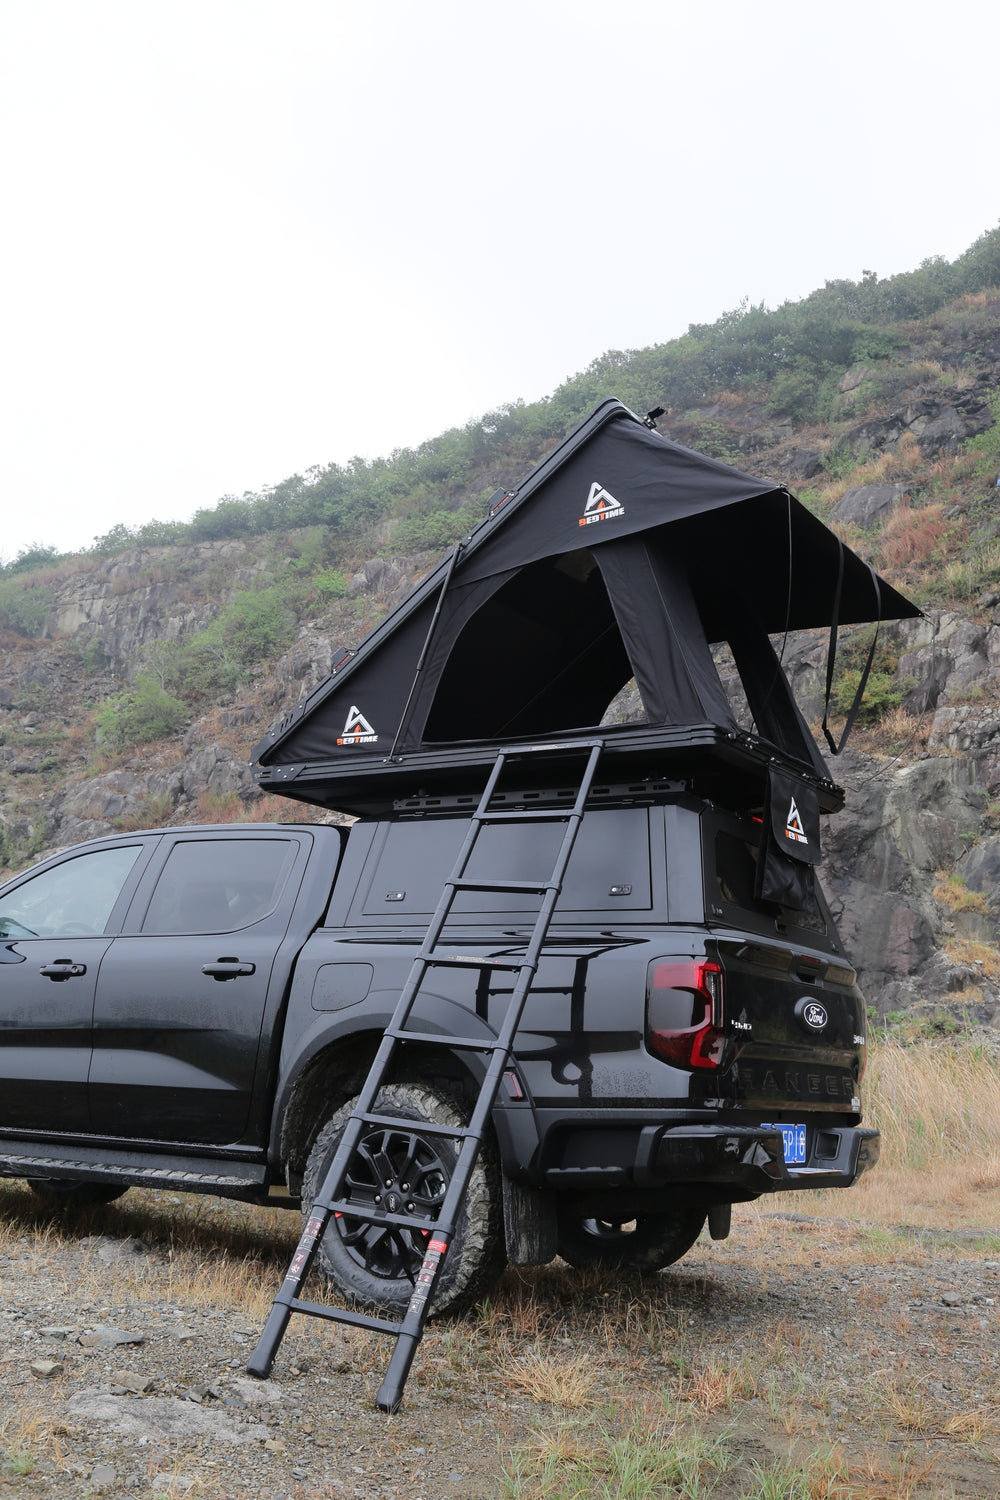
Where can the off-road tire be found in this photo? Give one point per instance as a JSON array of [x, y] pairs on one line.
[[60, 1192], [640, 1246], [373, 1268]]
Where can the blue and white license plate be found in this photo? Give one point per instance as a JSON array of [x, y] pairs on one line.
[[794, 1137]]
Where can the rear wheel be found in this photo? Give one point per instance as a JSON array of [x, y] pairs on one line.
[[375, 1265], [643, 1244], [59, 1192]]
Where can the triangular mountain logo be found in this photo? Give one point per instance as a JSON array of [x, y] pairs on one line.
[[600, 506], [357, 730], [793, 825]]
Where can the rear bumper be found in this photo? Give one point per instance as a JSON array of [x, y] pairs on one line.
[[744, 1161]]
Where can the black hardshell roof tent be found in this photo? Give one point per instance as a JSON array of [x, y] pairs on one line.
[[622, 554]]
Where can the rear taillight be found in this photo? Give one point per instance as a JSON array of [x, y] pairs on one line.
[[684, 1015]]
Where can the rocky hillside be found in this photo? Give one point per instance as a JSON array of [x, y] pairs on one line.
[[134, 681]]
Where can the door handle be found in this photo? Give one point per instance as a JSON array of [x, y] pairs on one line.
[[228, 968], [63, 968]]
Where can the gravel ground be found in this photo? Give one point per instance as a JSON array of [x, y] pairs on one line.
[[796, 1334]]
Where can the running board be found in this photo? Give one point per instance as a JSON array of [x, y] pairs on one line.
[[188, 1174]]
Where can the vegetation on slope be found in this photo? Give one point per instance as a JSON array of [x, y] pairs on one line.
[[789, 359], [820, 378]]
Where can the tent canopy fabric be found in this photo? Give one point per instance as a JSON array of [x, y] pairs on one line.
[[621, 555]]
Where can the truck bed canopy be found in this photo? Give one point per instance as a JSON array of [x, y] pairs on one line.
[[621, 555]]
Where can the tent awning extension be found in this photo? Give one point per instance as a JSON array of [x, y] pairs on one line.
[[621, 555]]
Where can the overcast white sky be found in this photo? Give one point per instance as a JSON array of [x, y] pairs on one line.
[[243, 238]]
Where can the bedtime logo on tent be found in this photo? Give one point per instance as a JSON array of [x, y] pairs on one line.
[[357, 730], [601, 506], [793, 825]]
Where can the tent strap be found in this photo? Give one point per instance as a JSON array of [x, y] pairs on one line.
[[831, 656], [404, 716]]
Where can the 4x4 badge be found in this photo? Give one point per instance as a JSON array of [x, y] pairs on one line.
[[357, 730], [601, 506], [793, 825]]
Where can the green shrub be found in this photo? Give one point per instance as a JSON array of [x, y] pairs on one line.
[[793, 394], [987, 445], [330, 584], [882, 694], [436, 530], [31, 558], [24, 607], [254, 626], [143, 713]]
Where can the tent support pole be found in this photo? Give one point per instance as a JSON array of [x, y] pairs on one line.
[[453, 559]]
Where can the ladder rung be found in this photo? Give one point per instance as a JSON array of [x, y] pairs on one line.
[[421, 1127], [530, 815], [530, 887], [344, 1315], [516, 751], [466, 1043], [374, 1213], [470, 961]]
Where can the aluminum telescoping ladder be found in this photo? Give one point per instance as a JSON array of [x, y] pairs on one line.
[[331, 1200]]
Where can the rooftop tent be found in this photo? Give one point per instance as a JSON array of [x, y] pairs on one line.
[[622, 554]]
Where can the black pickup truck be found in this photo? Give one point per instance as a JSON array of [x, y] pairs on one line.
[[196, 1008]]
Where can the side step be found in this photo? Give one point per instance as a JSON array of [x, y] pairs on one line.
[[228, 1179]]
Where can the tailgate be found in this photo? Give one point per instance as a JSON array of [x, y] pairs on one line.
[[795, 1024]]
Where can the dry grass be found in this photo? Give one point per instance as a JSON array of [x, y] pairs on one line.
[[913, 534], [151, 812], [875, 1477], [934, 1103], [897, 735], [982, 956], [908, 1406], [719, 1386], [550, 1380], [229, 807], [951, 891], [971, 1426], [937, 1107]]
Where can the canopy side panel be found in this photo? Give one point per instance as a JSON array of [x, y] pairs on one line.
[[371, 691], [769, 695], [663, 634]]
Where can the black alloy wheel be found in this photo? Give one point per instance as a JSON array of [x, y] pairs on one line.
[[404, 1169]]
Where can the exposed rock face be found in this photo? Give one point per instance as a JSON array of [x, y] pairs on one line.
[[118, 606], [938, 422], [799, 463], [868, 503], [882, 858], [389, 578]]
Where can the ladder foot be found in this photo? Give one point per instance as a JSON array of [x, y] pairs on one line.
[[261, 1361]]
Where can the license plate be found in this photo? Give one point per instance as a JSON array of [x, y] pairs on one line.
[[794, 1138]]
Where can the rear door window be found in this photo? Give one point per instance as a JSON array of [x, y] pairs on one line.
[[732, 851], [219, 885]]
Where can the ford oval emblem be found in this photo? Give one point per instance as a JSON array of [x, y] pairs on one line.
[[812, 1014]]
